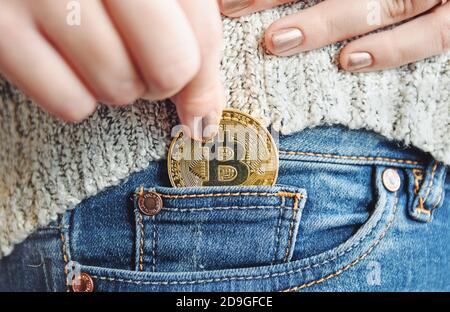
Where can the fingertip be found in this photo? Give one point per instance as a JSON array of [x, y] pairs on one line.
[[234, 8], [343, 59], [210, 124], [268, 44], [75, 112], [238, 8], [283, 41], [203, 119], [356, 60], [120, 93], [192, 126], [201, 128]]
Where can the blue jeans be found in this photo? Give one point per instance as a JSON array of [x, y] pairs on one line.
[[351, 212]]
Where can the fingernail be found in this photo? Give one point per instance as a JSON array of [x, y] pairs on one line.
[[196, 129], [233, 6], [287, 39], [359, 60], [210, 132], [210, 125]]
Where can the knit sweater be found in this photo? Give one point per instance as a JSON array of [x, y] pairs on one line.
[[47, 167]]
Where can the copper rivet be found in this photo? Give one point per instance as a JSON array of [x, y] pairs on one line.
[[391, 180], [83, 283], [150, 203]]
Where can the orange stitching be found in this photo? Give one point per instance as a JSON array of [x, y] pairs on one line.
[[421, 208], [279, 194], [354, 262], [333, 156], [65, 257], [141, 244], [430, 186], [418, 177], [421, 205], [291, 229], [291, 195]]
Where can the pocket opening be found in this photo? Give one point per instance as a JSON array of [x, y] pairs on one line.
[[203, 229]]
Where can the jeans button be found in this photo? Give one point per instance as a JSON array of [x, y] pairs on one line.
[[391, 180], [83, 283], [150, 203]]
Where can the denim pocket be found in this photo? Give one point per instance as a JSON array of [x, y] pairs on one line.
[[239, 247], [200, 229]]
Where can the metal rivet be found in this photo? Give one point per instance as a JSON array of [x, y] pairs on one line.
[[150, 203], [391, 180], [83, 283]]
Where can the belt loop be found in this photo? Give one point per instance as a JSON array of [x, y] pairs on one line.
[[428, 190]]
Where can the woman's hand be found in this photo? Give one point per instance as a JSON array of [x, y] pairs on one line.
[[426, 34], [120, 51]]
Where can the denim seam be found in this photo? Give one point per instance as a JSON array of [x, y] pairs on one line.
[[354, 262], [44, 270], [422, 200], [439, 200], [279, 194], [226, 208], [291, 229], [360, 158], [277, 235], [255, 277], [154, 245], [65, 257], [52, 228], [141, 243], [430, 185]]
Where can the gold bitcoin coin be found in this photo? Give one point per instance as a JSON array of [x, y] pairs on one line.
[[242, 153]]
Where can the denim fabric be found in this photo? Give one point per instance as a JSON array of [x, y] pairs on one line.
[[330, 224]]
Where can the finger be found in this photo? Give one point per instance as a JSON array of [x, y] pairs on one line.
[[93, 48], [161, 41], [236, 8], [200, 103], [335, 20], [418, 39], [33, 65]]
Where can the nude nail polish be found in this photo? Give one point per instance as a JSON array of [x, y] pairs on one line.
[[359, 60], [210, 125], [287, 39], [233, 6]]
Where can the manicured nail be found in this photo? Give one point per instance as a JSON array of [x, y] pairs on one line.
[[210, 132], [359, 60], [210, 125], [287, 39], [192, 126], [233, 6]]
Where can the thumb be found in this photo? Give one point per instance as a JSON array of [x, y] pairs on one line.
[[200, 103]]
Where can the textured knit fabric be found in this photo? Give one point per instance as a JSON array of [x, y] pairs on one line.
[[47, 167]]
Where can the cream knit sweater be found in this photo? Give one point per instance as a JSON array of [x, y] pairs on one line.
[[47, 167]]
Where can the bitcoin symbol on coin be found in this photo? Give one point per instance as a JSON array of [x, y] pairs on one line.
[[226, 169], [243, 153]]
